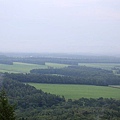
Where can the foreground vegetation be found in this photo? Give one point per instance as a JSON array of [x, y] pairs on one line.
[[6, 110], [33, 104], [79, 91]]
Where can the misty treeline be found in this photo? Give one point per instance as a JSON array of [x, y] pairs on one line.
[[73, 60], [5, 60], [68, 75], [33, 104], [76, 71]]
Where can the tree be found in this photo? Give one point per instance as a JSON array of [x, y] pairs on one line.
[[6, 110]]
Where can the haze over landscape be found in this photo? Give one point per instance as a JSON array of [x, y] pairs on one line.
[[59, 59], [60, 26]]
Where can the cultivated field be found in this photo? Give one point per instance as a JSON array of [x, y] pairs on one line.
[[78, 91], [19, 67], [56, 65], [107, 66]]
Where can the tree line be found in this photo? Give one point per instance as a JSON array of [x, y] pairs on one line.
[[75, 71], [73, 60], [25, 95], [69, 75]]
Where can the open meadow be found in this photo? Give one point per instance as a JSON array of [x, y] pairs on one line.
[[79, 91], [56, 65], [107, 66], [19, 67]]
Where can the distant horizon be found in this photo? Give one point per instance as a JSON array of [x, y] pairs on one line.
[[60, 26], [55, 53]]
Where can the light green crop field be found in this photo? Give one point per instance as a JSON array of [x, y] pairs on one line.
[[79, 91], [107, 66], [56, 65], [18, 67]]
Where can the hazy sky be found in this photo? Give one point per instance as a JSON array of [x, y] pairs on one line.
[[64, 26]]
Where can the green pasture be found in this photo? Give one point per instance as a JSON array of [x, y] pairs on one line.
[[18, 67], [107, 66], [79, 91], [56, 65]]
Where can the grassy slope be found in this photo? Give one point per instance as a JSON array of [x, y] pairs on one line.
[[78, 91]]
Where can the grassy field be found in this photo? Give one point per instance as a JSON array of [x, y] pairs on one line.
[[19, 67], [56, 65], [107, 66], [78, 91]]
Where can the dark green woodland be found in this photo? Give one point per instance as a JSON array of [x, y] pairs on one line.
[[33, 104], [20, 101]]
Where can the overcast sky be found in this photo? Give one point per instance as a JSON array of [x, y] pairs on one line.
[[63, 26]]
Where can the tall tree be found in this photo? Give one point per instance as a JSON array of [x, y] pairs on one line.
[[6, 109]]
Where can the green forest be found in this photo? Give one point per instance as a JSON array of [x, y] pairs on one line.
[[69, 75], [25, 102], [33, 104]]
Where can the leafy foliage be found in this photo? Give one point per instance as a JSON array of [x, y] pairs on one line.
[[26, 96], [33, 104], [6, 110]]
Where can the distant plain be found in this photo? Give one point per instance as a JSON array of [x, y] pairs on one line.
[[67, 90], [107, 66], [19, 67]]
